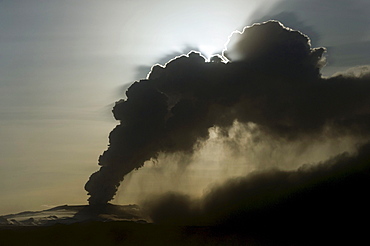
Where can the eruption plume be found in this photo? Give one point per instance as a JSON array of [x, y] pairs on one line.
[[268, 75]]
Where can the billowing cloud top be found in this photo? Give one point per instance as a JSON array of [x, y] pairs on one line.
[[272, 45], [272, 79]]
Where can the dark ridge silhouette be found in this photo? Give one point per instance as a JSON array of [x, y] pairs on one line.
[[271, 78]]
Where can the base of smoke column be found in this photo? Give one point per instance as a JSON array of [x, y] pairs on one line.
[[110, 212]]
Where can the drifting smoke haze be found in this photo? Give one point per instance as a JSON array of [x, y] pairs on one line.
[[262, 104], [332, 191]]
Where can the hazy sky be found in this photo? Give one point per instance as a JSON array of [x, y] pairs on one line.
[[64, 63]]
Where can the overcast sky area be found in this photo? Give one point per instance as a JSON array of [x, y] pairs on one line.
[[63, 64]]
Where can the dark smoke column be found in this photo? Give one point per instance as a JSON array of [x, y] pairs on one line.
[[132, 142], [273, 76], [151, 122], [162, 114]]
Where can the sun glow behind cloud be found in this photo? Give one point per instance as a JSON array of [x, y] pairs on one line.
[[175, 25]]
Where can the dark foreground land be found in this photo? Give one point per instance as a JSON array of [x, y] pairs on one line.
[[120, 233], [131, 233]]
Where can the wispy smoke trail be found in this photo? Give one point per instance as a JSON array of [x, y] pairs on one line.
[[332, 193], [269, 75]]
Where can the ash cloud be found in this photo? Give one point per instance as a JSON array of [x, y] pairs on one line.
[[271, 79]]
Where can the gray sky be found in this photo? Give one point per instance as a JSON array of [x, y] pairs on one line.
[[64, 63]]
